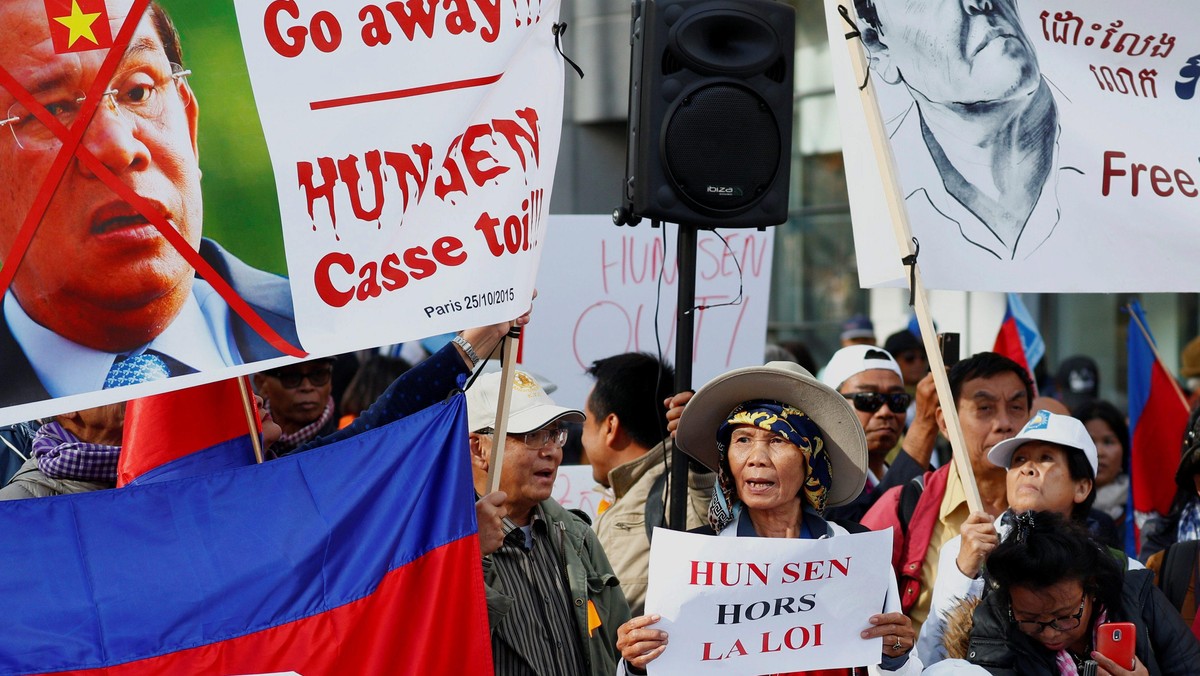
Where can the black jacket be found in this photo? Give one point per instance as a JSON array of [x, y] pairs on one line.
[[1165, 644]]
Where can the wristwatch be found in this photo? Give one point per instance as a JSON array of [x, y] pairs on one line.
[[466, 347]]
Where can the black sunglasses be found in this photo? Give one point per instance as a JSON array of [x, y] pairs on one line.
[[869, 402], [292, 379]]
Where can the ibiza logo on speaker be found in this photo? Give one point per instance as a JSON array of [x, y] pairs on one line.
[[724, 190]]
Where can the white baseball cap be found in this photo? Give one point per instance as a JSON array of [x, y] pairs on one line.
[[1052, 428], [853, 360], [530, 408]]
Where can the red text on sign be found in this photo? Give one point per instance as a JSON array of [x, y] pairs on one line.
[[1162, 181], [338, 279]]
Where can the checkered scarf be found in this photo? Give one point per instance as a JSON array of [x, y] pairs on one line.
[[62, 455], [1189, 521], [290, 442], [788, 422]]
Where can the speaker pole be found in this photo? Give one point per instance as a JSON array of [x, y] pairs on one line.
[[685, 325]]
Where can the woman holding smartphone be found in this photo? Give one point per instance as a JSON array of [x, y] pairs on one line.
[[1051, 591]]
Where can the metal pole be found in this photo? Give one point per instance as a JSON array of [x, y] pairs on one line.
[[685, 319]]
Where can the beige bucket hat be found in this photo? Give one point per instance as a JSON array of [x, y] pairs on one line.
[[788, 383]]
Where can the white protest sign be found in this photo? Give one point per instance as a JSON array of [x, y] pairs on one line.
[[597, 292], [414, 147], [411, 145], [766, 605], [1040, 146]]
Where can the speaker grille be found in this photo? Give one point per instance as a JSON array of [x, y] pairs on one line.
[[721, 146]]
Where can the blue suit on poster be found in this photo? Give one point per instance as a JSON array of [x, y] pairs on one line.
[[267, 294]]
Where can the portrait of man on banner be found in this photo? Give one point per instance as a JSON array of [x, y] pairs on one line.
[[978, 148], [96, 294]]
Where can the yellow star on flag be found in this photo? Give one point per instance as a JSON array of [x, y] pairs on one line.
[[79, 23]]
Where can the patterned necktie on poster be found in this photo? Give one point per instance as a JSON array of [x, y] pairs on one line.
[[143, 368]]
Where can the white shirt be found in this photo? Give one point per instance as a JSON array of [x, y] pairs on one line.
[[200, 337]]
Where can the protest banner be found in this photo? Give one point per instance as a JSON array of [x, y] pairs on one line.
[[766, 605], [1039, 146], [410, 158], [599, 289]]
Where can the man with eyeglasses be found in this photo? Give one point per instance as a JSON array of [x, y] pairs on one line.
[[299, 398], [101, 299], [871, 380], [992, 395], [554, 604]]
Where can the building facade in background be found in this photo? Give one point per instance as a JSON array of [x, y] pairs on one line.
[[815, 281]]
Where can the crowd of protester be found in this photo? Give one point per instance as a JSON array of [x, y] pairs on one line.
[[774, 451]]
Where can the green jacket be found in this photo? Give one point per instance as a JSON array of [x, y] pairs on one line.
[[590, 578]]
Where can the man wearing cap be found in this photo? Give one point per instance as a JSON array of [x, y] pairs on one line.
[[554, 604], [1051, 466], [909, 352], [871, 381], [1078, 381], [623, 437], [992, 395], [857, 330]]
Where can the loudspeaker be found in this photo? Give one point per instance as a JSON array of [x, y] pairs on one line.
[[710, 112]]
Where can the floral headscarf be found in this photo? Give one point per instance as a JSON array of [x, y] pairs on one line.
[[788, 422]]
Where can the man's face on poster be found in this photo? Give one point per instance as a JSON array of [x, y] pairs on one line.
[[97, 271], [954, 51]]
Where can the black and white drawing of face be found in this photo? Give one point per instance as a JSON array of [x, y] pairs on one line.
[[952, 52]]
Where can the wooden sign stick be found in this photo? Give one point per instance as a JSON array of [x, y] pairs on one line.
[[251, 418], [511, 344], [905, 243]]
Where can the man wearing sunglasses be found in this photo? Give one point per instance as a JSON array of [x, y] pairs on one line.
[[554, 604], [299, 398], [992, 394], [101, 299], [871, 380]]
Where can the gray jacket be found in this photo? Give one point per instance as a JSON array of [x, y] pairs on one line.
[[29, 482]]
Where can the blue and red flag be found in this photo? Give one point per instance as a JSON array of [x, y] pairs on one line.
[[1019, 338], [1158, 417], [359, 557], [189, 432]]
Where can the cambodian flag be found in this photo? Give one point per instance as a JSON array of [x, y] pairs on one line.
[[188, 432], [1158, 416], [1019, 338], [359, 557]]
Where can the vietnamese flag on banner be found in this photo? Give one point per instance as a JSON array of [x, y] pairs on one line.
[[1158, 418], [1019, 338], [188, 432], [359, 557], [78, 25]]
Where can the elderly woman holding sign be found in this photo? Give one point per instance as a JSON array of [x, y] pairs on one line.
[[785, 447]]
